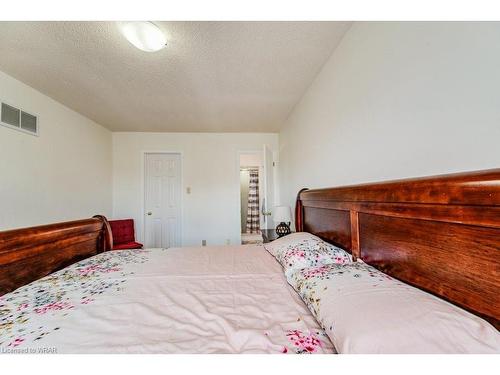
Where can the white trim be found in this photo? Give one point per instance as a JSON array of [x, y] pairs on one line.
[[37, 134], [143, 190]]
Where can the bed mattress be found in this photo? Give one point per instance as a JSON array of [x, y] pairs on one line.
[[226, 299]]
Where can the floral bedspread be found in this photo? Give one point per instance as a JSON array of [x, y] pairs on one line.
[[399, 318], [190, 300]]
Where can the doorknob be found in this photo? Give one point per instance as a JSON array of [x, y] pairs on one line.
[[149, 213]]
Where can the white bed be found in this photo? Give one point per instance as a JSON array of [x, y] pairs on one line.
[[227, 299]]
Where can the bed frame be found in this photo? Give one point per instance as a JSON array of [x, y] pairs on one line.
[[31, 253], [440, 234]]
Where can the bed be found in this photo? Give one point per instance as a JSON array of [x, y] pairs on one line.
[[227, 299], [62, 289]]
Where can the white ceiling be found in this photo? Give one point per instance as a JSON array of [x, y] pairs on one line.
[[212, 77]]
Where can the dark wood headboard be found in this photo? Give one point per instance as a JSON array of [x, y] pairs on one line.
[[440, 234], [29, 254]]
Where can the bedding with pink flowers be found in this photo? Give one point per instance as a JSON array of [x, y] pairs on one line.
[[364, 311], [302, 250], [226, 299]]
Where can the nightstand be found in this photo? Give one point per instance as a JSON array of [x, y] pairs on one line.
[[269, 235]]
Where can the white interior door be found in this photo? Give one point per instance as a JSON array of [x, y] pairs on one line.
[[267, 202], [162, 200]]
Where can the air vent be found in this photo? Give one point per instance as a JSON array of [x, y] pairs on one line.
[[11, 116], [16, 118]]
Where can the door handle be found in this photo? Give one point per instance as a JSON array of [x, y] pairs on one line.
[[149, 213]]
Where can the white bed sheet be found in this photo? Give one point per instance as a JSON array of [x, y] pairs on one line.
[[226, 299]]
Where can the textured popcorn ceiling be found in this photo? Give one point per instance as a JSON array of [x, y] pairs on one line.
[[212, 77]]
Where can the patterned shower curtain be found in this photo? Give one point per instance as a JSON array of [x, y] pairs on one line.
[[253, 219]]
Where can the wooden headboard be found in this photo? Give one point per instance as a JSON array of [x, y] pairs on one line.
[[29, 254], [440, 234]]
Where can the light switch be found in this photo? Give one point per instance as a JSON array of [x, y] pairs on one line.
[[188, 190]]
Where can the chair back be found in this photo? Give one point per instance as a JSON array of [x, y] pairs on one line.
[[123, 230]]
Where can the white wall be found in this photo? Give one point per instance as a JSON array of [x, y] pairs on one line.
[[251, 160], [397, 100], [210, 166], [63, 174]]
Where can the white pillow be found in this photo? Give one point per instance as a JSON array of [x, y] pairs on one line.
[[366, 311], [301, 250]]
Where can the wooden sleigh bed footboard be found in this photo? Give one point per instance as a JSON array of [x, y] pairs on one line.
[[29, 254], [440, 234]]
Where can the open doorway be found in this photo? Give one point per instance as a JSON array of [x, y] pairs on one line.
[[251, 193]]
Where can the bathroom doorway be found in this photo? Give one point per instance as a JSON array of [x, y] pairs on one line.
[[251, 189]]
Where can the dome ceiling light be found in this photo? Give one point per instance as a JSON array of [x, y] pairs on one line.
[[144, 35]]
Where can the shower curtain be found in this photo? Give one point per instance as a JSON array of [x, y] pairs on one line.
[[253, 220]]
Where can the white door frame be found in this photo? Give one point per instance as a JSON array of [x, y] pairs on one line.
[[143, 190]]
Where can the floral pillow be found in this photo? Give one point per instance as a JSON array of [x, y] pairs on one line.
[[302, 250], [366, 311]]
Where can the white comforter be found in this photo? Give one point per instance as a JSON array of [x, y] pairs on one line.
[[228, 299]]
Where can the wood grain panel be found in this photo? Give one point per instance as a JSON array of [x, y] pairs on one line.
[[456, 262], [475, 188], [32, 253], [320, 222], [463, 214]]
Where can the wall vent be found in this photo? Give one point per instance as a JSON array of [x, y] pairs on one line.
[[18, 119]]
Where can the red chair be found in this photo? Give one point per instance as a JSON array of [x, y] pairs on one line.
[[123, 234]]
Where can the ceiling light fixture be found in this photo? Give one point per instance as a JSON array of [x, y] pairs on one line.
[[144, 35]]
